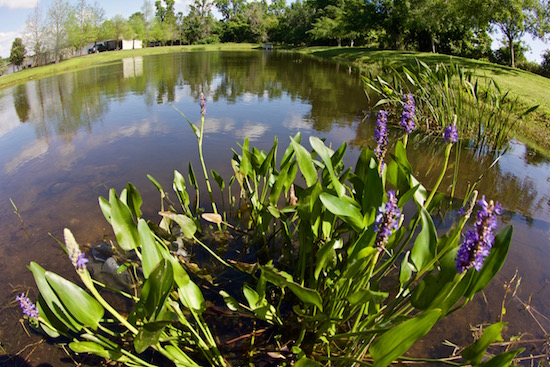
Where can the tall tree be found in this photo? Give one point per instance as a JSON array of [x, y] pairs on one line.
[[58, 15], [97, 17], [79, 25], [514, 18], [18, 52], [136, 23], [148, 17], [121, 28], [36, 29]]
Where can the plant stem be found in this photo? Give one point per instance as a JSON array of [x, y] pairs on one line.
[[441, 175]]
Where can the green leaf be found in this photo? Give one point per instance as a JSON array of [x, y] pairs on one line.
[[344, 209], [149, 334], [326, 154], [423, 251], [180, 189], [261, 307], [156, 289], [306, 362], [157, 184], [474, 353], [231, 302], [80, 304], [189, 293], [502, 360], [187, 225], [218, 179], [151, 255], [133, 200], [123, 225], [367, 295], [306, 163], [50, 306], [326, 256], [89, 347], [105, 208], [393, 343], [493, 262]]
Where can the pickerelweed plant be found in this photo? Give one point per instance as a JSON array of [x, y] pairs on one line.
[[335, 273]]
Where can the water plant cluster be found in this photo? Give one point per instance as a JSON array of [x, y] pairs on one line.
[[485, 113], [319, 263]]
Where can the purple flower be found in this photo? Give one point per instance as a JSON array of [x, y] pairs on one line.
[[479, 239], [28, 308], [387, 220], [381, 137], [81, 261], [407, 118], [203, 104], [451, 134]]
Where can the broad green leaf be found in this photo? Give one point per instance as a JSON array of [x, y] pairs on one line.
[[105, 208], [50, 306], [326, 257], [502, 360], [423, 251], [179, 357], [157, 184], [89, 347], [367, 295], [260, 306], [188, 227], [493, 262], [326, 154], [283, 279], [190, 294], [150, 253], [342, 208], [406, 269], [218, 179], [149, 334], [133, 200], [306, 163], [474, 353], [181, 189], [80, 304], [306, 362], [231, 302], [156, 289], [393, 343], [123, 225]]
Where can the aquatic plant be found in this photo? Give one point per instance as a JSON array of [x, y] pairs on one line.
[[486, 114], [325, 263]]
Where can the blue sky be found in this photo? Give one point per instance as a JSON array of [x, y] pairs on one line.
[[14, 13]]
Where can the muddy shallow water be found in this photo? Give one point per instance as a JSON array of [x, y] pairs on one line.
[[65, 140]]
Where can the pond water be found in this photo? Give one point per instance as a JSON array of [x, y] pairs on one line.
[[67, 139]]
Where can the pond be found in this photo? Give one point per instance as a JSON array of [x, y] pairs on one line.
[[67, 139]]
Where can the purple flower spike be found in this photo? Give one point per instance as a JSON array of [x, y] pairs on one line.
[[203, 104], [479, 239], [409, 108], [387, 220], [28, 308], [381, 137], [81, 262], [451, 134]]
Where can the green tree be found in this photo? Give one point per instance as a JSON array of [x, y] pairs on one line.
[[545, 64], [18, 52], [121, 29], [97, 17], [3, 66], [137, 26], [514, 18], [79, 25]]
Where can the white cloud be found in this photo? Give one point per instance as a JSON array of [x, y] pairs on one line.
[[6, 39], [19, 4]]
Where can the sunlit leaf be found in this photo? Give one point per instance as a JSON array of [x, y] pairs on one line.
[[326, 154], [305, 163], [423, 250], [186, 224], [148, 334], [393, 343], [212, 218], [80, 304], [344, 209], [151, 256], [123, 225], [475, 352]]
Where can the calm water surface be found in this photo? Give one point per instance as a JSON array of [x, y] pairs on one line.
[[65, 140]]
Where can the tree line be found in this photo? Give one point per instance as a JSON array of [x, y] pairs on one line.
[[455, 27]]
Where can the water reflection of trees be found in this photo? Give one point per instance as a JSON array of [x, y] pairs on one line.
[[66, 103]]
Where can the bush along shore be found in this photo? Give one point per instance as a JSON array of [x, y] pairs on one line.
[[315, 262]]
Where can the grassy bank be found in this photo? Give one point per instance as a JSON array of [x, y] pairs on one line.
[[531, 89], [87, 61]]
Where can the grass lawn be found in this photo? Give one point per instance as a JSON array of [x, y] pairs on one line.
[[531, 89]]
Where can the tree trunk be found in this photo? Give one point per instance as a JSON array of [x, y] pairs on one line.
[[433, 43], [512, 55]]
